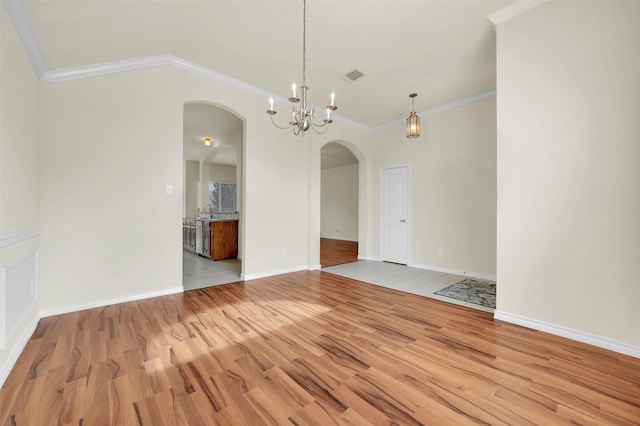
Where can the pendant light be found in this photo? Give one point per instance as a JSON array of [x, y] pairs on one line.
[[413, 121]]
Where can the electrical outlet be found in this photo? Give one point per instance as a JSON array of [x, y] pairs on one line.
[[440, 251], [169, 189]]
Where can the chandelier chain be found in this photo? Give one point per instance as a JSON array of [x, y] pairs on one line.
[[303, 115], [304, 43]]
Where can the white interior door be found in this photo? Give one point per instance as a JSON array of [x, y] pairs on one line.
[[394, 206]]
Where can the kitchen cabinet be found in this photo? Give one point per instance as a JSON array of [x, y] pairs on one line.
[[215, 239], [224, 239], [189, 234]]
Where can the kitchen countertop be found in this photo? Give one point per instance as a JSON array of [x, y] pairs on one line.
[[216, 220]]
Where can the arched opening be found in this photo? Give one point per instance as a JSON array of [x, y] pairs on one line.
[[212, 195], [340, 208]]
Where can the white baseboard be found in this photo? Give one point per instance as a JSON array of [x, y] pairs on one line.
[[479, 275], [369, 258], [99, 304], [11, 360], [351, 240], [249, 277], [569, 333], [315, 267]]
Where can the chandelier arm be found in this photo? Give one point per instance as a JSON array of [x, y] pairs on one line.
[[324, 129], [280, 127], [321, 124]]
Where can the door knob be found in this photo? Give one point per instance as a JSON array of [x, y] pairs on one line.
[[403, 220]]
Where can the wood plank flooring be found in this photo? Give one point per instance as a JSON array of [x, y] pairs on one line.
[[337, 252], [309, 348]]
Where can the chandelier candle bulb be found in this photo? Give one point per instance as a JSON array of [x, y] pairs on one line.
[[270, 103], [293, 88], [328, 114], [333, 98]]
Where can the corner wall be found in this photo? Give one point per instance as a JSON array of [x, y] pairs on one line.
[[19, 219], [568, 196]]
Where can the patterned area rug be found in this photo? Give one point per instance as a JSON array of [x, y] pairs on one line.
[[472, 291]]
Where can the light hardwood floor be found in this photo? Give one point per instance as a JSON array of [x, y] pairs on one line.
[[337, 252], [309, 348]]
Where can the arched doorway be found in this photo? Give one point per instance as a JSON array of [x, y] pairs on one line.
[[212, 195], [339, 205]]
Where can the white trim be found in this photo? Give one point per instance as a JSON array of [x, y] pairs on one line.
[[16, 237], [127, 65], [442, 108], [3, 309], [479, 275], [105, 68], [569, 333], [21, 21], [249, 277], [6, 335], [132, 298], [11, 360], [514, 9], [315, 267], [375, 259]]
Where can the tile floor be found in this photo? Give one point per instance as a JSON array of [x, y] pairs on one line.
[[403, 278], [198, 272]]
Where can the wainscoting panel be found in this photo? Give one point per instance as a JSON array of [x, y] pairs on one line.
[[18, 294]]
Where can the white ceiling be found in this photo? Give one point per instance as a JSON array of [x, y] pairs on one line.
[[442, 50]]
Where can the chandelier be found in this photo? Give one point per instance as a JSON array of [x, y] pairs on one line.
[[303, 116]]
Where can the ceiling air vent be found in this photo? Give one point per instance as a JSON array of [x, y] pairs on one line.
[[352, 76]]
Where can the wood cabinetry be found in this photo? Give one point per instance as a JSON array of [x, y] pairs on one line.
[[224, 239]]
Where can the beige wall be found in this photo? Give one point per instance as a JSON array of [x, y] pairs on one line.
[[568, 174], [339, 203], [190, 188], [111, 232], [222, 172], [18, 166], [567, 205], [452, 187]]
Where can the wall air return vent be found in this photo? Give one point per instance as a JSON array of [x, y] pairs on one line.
[[352, 76]]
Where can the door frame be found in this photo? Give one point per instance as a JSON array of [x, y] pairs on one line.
[[380, 224]]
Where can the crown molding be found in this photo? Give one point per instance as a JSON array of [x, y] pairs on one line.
[[16, 237], [442, 108], [127, 65], [20, 17], [514, 9]]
